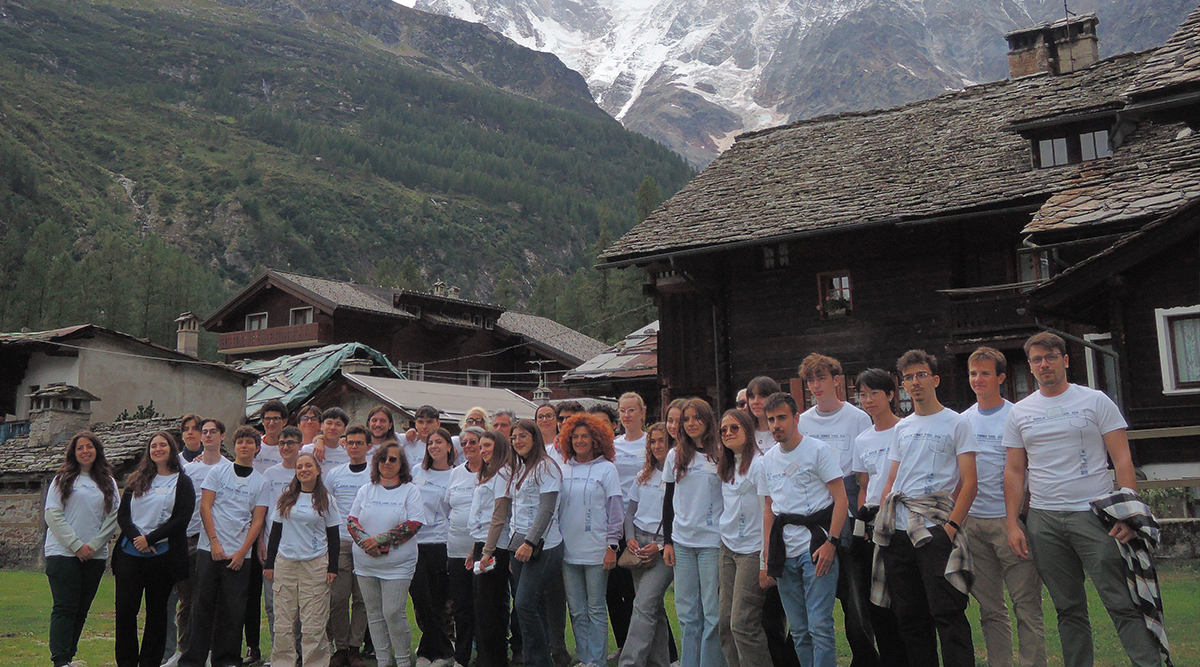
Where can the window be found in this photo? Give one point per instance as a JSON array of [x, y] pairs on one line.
[[1179, 348], [477, 378], [1022, 381], [1094, 145], [1101, 368], [489, 324], [1053, 152], [775, 256], [301, 316], [409, 309], [1033, 265], [834, 294], [256, 321], [415, 372], [477, 320]]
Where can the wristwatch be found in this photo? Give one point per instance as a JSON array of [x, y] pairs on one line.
[[834, 540]]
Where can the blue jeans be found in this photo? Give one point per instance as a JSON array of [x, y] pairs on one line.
[[533, 580], [808, 603], [586, 587], [698, 605]]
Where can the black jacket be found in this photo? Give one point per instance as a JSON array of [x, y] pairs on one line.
[[174, 529]]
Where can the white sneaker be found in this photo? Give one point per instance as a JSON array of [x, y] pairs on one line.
[[424, 662], [173, 661]]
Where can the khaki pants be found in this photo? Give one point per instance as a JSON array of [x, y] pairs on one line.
[[347, 624], [742, 638], [996, 566], [300, 588]]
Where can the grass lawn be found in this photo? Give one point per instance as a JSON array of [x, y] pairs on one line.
[[25, 613]]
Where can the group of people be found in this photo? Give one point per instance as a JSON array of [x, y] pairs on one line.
[[761, 518]]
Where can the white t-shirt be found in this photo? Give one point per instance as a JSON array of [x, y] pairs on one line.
[[630, 455], [583, 515], [432, 485], [483, 504], [84, 512], [379, 510], [197, 471], [303, 535], [765, 440], [871, 449], [649, 497], [234, 505], [927, 448], [460, 491], [697, 502], [343, 484], [742, 516], [414, 451], [278, 478], [154, 507], [546, 478], [334, 456], [838, 430], [989, 462], [1063, 438], [797, 483], [267, 456]]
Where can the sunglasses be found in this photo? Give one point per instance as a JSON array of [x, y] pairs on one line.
[[741, 404], [732, 428], [475, 421], [391, 459]]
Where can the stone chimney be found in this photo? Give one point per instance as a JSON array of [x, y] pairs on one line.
[[453, 292], [440, 289], [1057, 47], [187, 334], [58, 412], [354, 366]]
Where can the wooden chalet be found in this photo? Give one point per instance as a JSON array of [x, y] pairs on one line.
[[862, 235], [429, 336]]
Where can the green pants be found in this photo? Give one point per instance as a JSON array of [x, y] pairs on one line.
[[1065, 545], [73, 585]]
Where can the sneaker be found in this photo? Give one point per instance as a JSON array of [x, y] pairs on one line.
[[253, 656], [444, 662], [354, 658], [338, 659], [422, 661], [173, 661]]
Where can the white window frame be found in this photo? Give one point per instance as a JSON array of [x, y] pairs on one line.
[[293, 311], [1166, 352], [265, 319], [415, 371], [478, 378], [1092, 360]]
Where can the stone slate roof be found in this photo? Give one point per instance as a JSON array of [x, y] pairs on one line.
[[123, 442], [338, 294], [551, 336], [950, 154], [1173, 66]]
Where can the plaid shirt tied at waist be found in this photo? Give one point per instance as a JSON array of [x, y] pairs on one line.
[[935, 507], [818, 526], [1140, 573]]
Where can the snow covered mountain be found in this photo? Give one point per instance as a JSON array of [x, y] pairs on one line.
[[695, 73]]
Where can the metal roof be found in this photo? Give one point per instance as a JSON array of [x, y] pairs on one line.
[[635, 356], [294, 378], [453, 400]]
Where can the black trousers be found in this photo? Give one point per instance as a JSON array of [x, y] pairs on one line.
[[892, 652], [254, 595], [491, 612], [137, 576], [462, 606], [619, 596], [929, 610], [429, 589], [218, 594], [73, 586]]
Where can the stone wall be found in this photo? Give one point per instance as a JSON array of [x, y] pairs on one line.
[[1180, 538], [21, 529]]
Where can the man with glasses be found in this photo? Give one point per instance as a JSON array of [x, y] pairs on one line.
[[929, 491], [347, 623], [1061, 438]]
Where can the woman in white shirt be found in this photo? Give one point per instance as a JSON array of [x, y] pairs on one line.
[[152, 552], [489, 528], [302, 561], [547, 423], [591, 515], [81, 516], [386, 515], [649, 641], [757, 392], [742, 638], [459, 493], [692, 533], [536, 542], [430, 584]]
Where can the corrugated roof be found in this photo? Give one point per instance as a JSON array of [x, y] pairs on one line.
[[1174, 66], [294, 378], [551, 335], [635, 356], [949, 154], [453, 400]]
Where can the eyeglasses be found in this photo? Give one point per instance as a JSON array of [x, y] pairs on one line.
[[732, 428], [545, 418], [272, 419], [357, 443], [1048, 358], [919, 375], [307, 418], [291, 443], [391, 459], [476, 421], [741, 404]]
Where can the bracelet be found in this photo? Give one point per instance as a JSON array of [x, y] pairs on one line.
[[952, 522]]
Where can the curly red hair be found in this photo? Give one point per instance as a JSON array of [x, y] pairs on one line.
[[602, 435]]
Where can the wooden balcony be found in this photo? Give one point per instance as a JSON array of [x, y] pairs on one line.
[[274, 338], [995, 310]]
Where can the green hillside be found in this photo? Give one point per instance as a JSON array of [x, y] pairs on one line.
[[155, 156]]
